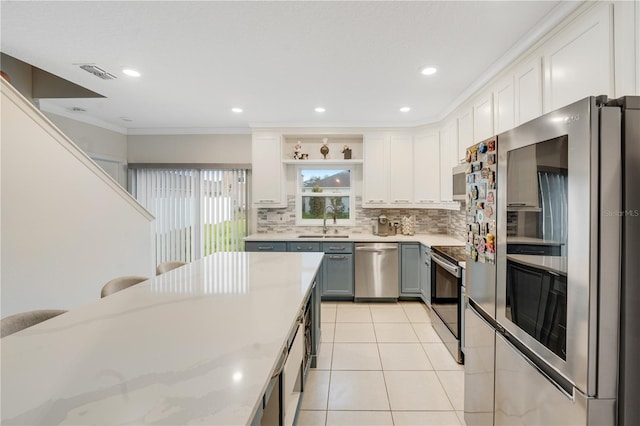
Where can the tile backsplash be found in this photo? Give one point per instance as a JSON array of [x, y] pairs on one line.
[[428, 221]]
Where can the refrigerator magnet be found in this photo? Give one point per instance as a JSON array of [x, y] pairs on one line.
[[491, 159], [488, 212], [474, 254], [482, 148], [491, 243], [482, 191], [491, 145], [482, 246], [491, 197]]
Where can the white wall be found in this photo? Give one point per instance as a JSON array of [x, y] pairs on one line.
[[230, 149], [67, 227], [92, 139]]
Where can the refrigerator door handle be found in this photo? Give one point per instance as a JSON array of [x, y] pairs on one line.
[[569, 395]]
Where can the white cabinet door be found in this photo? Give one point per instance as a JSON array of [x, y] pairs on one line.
[[267, 171], [528, 91], [401, 169], [482, 119], [503, 105], [448, 160], [464, 136], [426, 169], [578, 60], [375, 179]]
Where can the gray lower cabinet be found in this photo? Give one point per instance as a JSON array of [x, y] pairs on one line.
[[337, 271], [265, 246], [425, 274], [410, 284]]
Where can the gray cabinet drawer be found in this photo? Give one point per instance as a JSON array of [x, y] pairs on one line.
[[410, 269], [337, 247], [304, 246], [265, 246], [337, 274]]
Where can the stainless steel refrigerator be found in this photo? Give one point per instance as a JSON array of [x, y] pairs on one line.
[[552, 326]]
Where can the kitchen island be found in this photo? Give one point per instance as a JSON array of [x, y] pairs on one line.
[[197, 345]]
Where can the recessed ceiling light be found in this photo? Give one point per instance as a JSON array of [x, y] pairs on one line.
[[130, 72], [429, 71], [236, 110], [405, 109], [320, 109]]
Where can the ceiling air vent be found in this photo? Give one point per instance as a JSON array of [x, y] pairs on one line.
[[98, 72]]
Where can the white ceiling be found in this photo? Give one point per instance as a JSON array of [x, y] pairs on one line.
[[276, 60]]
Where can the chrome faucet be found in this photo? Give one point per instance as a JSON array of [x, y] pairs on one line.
[[324, 219]]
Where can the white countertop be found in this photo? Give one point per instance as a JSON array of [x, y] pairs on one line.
[[556, 264], [426, 239], [196, 345], [533, 241]]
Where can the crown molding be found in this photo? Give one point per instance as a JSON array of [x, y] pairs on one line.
[[190, 131]]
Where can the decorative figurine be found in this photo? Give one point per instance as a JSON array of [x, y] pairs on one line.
[[324, 149], [347, 152], [296, 151]]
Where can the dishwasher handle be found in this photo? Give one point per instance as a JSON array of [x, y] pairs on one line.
[[377, 249], [452, 269]]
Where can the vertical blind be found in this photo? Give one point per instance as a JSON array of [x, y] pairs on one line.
[[198, 212]]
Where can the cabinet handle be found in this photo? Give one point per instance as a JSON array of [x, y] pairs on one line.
[[337, 257], [285, 353], [336, 248], [427, 201], [265, 201], [265, 247], [302, 248], [376, 201], [401, 201]]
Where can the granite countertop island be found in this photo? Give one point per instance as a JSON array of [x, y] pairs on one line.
[[197, 345]]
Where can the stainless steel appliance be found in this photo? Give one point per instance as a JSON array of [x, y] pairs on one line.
[[564, 320], [459, 187], [376, 271], [383, 226], [447, 296]]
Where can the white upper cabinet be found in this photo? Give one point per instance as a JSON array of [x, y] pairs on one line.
[[375, 178], [267, 172], [528, 90], [426, 169], [482, 119], [448, 159], [577, 60], [463, 138], [504, 105], [401, 158]]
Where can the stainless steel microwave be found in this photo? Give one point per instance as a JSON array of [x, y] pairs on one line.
[[459, 182]]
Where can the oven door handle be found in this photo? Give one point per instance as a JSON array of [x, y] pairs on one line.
[[453, 270]]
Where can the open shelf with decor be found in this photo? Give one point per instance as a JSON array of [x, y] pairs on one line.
[[322, 149]]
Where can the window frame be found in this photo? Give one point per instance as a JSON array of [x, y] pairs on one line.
[[300, 221]]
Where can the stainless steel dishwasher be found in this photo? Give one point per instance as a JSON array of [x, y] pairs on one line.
[[376, 271]]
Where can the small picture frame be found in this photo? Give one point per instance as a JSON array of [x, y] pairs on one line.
[[491, 196]]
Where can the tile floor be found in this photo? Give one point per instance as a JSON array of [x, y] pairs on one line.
[[382, 364]]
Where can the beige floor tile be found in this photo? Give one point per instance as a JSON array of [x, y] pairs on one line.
[[327, 331], [390, 314], [324, 356], [440, 357], [461, 417], [328, 304], [316, 390], [453, 384], [351, 418], [416, 390], [312, 418], [354, 332], [354, 314], [403, 356], [419, 314], [425, 418], [328, 313], [395, 333], [358, 390], [356, 356], [426, 333]]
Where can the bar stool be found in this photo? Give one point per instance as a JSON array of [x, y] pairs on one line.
[[120, 283], [17, 322], [168, 266]]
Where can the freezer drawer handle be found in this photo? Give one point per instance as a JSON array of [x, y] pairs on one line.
[[453, 270], [265, 247], [564, 391]]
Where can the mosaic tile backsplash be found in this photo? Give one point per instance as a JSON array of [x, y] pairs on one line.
[[432, 221]]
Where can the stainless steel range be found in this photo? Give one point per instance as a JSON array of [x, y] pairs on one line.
[[447, 297]]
